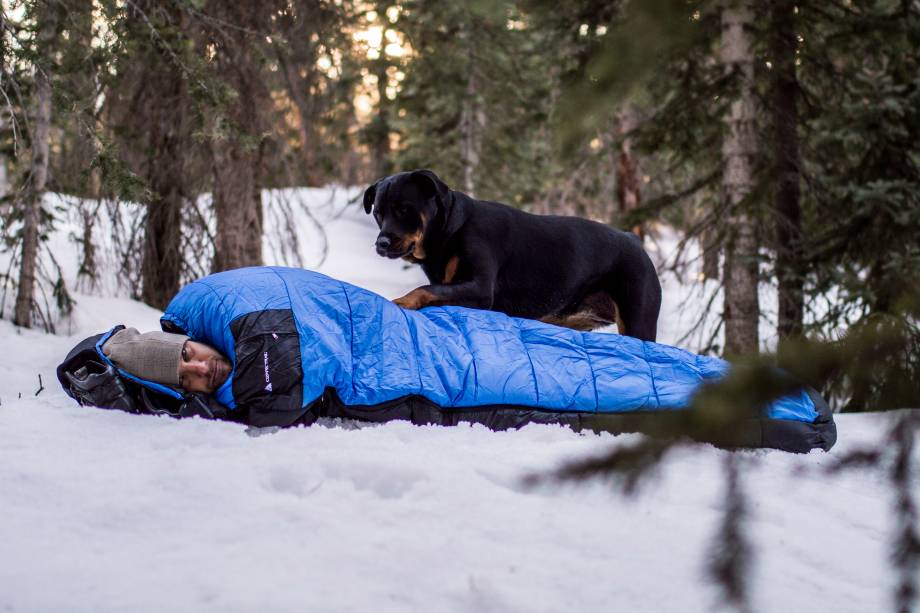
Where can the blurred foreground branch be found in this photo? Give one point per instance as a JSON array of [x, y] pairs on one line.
[[877, 358]]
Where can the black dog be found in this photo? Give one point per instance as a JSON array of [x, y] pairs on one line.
[[563, 270]]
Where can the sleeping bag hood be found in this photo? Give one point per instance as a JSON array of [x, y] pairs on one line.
[[90, 377]]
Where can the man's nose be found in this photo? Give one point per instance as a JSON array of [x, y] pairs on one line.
[[198, 368], [383, 242]]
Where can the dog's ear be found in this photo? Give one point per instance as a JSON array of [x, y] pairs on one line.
[[432, 185], [369, 194]]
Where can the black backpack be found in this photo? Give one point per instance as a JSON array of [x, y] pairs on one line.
[[92, 381]]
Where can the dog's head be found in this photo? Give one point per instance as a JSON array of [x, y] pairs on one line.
[[404, 206]]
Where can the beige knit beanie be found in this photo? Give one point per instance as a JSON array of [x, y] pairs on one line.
[[154, 356]]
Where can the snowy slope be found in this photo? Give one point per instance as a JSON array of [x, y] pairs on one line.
[[103, 511]]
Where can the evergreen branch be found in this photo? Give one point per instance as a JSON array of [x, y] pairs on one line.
[[626, 466], [731, 552], [905, 554], [655, 206], [155, 34]]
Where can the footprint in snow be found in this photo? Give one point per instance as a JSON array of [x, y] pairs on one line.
[[384, 481], [290, 481]]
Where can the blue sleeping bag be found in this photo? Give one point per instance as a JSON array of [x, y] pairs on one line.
[[294, 335]]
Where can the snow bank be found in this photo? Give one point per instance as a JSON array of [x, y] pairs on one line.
[[105, 511]]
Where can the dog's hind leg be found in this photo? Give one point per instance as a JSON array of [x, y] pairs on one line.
[[582, 320], [638, 310], [595, 310]]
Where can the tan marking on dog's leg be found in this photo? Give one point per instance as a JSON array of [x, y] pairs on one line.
[[552, 319], [451, 269], [583, 320], [416, 299], [621, 325]]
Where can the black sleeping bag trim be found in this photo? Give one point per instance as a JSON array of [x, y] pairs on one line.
[[756, 432], [268, 377]]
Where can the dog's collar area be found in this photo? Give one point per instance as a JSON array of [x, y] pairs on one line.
[[445, 208]]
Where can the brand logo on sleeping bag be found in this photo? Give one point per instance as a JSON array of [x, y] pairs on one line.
[[268, 381]]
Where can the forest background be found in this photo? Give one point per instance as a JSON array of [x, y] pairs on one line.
[[779, 139]]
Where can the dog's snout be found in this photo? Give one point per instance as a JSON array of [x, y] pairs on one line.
[[383, 242]]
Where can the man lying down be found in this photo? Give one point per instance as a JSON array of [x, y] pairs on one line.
[[273, 346]]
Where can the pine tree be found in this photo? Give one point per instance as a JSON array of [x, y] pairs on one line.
[[313, 46], [235, 35], [381, 69], [741, 305], [48, 19], [861, 203], [475, 98], [149, 107], [783, 96]]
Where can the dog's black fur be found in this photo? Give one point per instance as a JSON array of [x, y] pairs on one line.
[[564, 270]]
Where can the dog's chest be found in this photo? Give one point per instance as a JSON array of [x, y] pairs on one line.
[[447, 271]]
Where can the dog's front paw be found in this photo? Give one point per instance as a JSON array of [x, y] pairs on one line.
[[405, 302], [415, 299]]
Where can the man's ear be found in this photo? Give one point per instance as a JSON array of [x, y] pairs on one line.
[[369, 194], [432, 185]]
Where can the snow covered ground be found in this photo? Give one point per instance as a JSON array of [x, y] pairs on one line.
[[104, 511]]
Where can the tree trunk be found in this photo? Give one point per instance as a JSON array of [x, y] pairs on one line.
[[380, 128], [71, 167], [4, 175], [472, 120], [786, 151], [629, 185], [160, 117], [237, 205], [741, 305], [238, 146], [4, 55], [299, 89], [162, 262], [41, 126], [74, 173], [297, 58], [709, 243]]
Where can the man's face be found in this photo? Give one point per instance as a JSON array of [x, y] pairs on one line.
[[202, 368]]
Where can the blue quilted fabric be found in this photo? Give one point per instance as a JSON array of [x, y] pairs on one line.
[[371, 350]]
